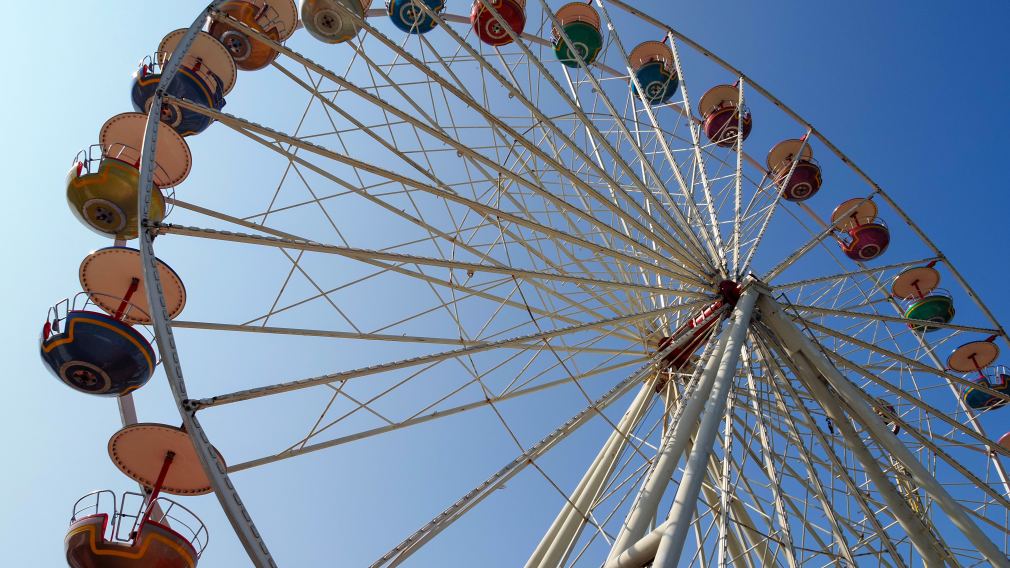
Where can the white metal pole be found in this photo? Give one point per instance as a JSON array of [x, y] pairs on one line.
[[860, 410], [739, 547], [556, 542], [127, 409], [725, 485], [897, 507], [788, 546], [471, 499], [643, 551], [128, 416], [684, 504], [643, 511], [564, 531]]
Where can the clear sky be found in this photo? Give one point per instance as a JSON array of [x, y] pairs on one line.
[[912, 91]]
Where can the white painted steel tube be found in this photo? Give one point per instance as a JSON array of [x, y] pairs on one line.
[[855, 400], [646, 504], [557, 541], [684, 504], [555, 544]]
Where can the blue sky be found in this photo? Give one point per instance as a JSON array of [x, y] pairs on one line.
[[912, 93]]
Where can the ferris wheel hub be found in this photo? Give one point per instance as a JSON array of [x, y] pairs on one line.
[[729, 291]]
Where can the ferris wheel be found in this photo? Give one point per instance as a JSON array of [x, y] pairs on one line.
[[566, 226]]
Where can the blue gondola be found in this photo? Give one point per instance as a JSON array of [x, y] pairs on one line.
[[96, 354], [409, 17], [203, 88]]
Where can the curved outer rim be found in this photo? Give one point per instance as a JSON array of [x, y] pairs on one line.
[[226, 493]]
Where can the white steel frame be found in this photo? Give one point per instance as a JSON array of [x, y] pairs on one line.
[[662, 254]]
